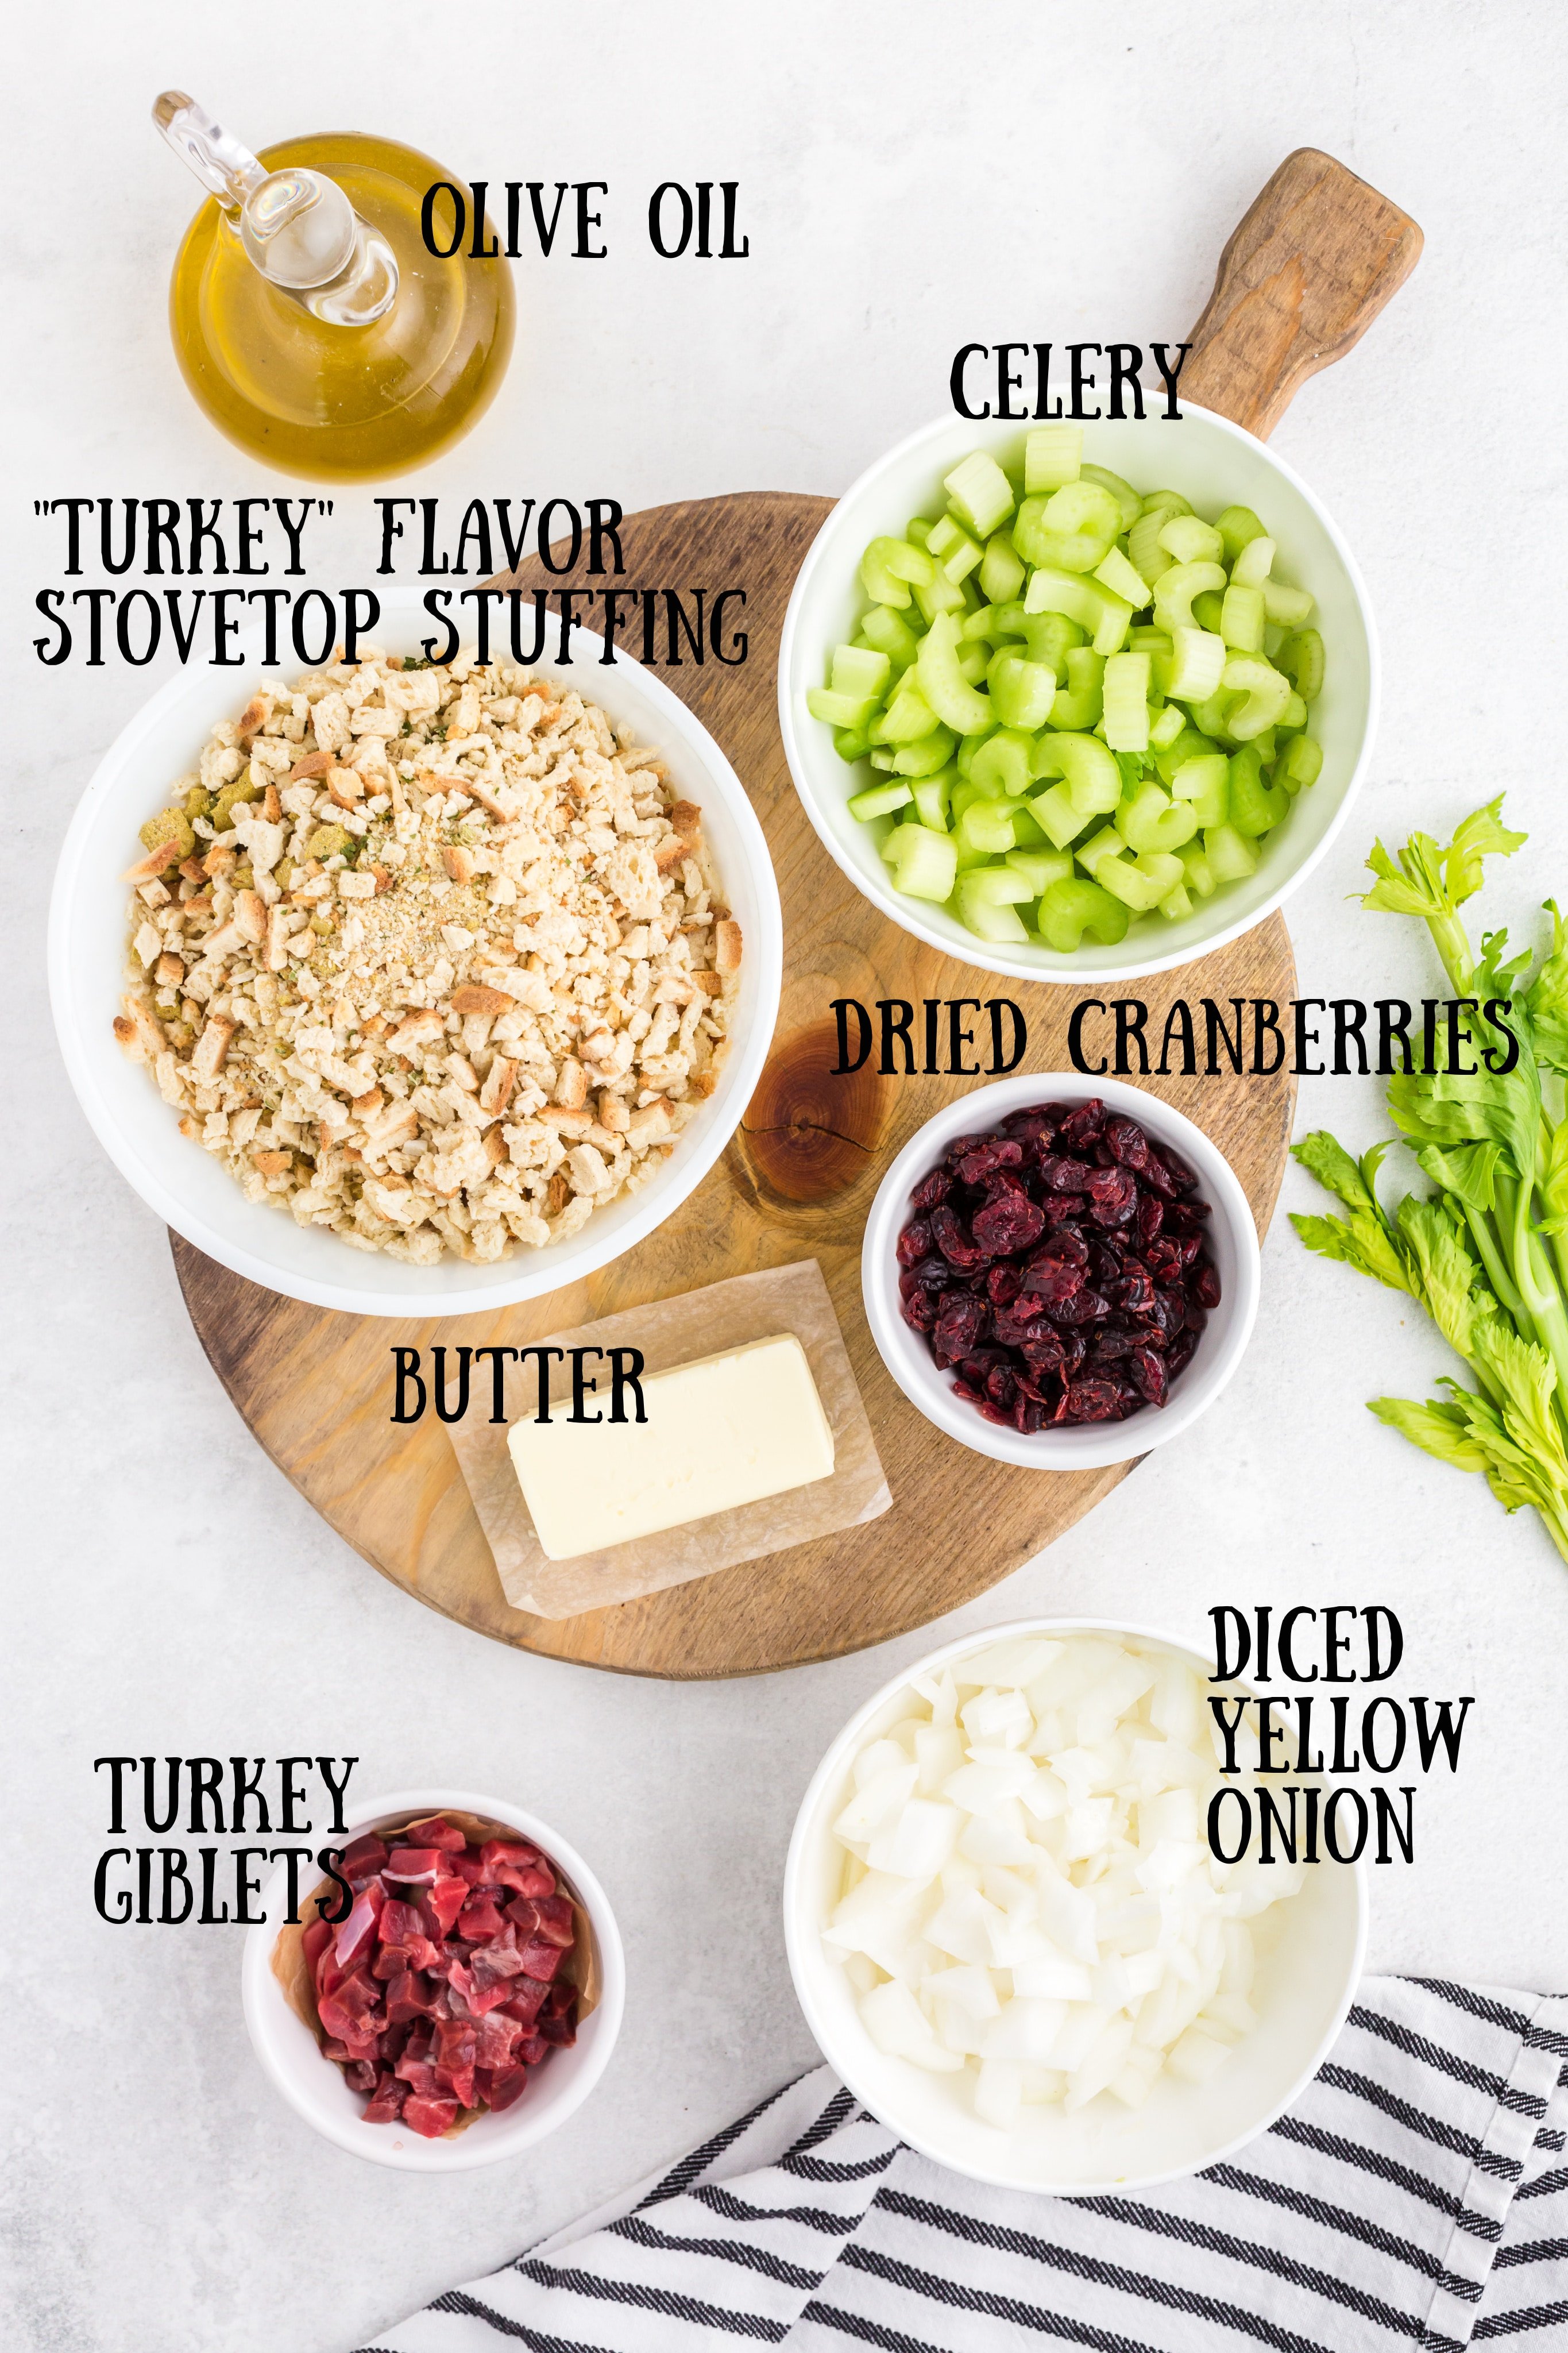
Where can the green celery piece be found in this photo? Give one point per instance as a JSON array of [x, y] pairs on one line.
[[890, 634], [949, 694], [980, 493], [1001, 569], [986, 825], [985, 918], [1253, 565], [1092, 775], [1288, 607], [1301, 660], [1174, 591], [1059, 816], [1078, 707], [1152, 820], [1324, 1157], [1127, 499], [1443, 1430], [939, 594], [889, 565], [839, 710], [1205, 780], [917, 531], [1194, 666], [1230, 853], [1124, 580], [999, 886], [851, 743], [958, 553], [858, 670], [1053, 454], [1263, 693], [908, 716], [1069, 909], [1241, 619], [878, 800], [1002, 764], [1188, 539], [1148, 558], [1041, 867], [927, 756], [1237, 527], [925, 864], [1255, 806], [1126, 701], [1072, 531], [933, 800], [1022, 691]]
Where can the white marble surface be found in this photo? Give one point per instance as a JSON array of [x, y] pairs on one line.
[[912, 177]]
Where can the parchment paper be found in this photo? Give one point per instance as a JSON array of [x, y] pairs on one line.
[[293, 1973], [673, 1331]]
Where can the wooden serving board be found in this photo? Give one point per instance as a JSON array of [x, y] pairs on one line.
[[1301, 279]]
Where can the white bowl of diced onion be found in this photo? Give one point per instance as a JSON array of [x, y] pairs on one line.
[[1214, 465], [1069, 1993]]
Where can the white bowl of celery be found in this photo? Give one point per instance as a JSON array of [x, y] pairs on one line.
[[1078, 703]]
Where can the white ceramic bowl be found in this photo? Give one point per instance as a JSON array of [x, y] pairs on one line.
[[1302, 1991], [314, 2086], [1230, 1238], [1214, 464], [185, 1186]]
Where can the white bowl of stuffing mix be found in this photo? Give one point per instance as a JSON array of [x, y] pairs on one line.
[[403, 988]]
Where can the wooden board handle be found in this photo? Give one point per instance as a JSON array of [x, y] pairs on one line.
[[1307, 269]]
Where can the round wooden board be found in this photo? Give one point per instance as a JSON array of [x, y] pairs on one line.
[[316, 1387]]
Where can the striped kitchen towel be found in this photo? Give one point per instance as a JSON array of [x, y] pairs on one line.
[[1417, 2195]]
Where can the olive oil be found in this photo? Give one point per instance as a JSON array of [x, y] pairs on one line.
[[324, 399]]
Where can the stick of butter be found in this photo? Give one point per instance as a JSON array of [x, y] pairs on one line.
[[726, 1430]]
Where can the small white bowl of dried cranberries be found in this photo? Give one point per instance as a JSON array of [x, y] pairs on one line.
[[1060, 1272]]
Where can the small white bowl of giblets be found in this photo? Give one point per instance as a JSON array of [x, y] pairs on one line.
[[451, 1996]]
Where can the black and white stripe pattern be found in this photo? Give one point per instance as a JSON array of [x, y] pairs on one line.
[[1416, 2198]]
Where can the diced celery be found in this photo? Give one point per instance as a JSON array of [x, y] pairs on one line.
[[954, 549], [1050, 637], [1022, 691], [1200, 874], [1000, 886], [1255, 806], [1041, 867], [1175, 905], [1165, 503], [1126, 497], [925, 757], [1265, 745], [1207, 609], [1165, 731], [969, 747], [1127, 703], [1237, 527], [1052, 454], [949, 694], [1152, 820], [1073, 529], [1301, 763], [1293, 718], [1251, 568], [876, 800], [925, 864], [1092, 775], [1301, 660], [1211, 716], [1069, 909], [889, 565], [908, 717], [858, 670], [1107, 843], [1194, 666], [1241, 618], [1131, 884], [852, 743], [985, 918], [980, 493], [1288, 607], [1230, 855], [1265, 690], [933, 800], [1205, 781], [1123, 580], [1059, 816], [978, 627], [1003, 762], [1027, 832], [973, 660], [1001, 569], [1149, 641], [879, 756], [1149, 559], [839, 710], [1174, 591], [891, 635], [1189, 541], [919, 530], [966, 792], [985, 826], [1188, 745], [939, 594]]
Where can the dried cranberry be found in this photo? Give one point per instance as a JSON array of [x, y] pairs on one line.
[[1046, 1355], [1031, 1127], [1150, 1218], [961, 1145], [1112, 1196], [1126, 1141], [1181, 1354], [1065, 1176], [1196, 1317], [1148, 1374], [1064, 1245], [967, 1391], [961, 1324], [1157, 1177], [1206, 1283], [931, 1190], [1163, 1260], [1187, 1217], [954, 1244], [1085, 1123], [1180, 1174], [1083, 1306], [1051, 1282], [1135, 1292], [1003, 1284], [914, 1242], [1017, 1331], [1028, 1415], [1008, 1224], [919, 1310], [1060, 1209], [1030, 1385], [1090, 1400], [987, 1158], [1000, 1385]]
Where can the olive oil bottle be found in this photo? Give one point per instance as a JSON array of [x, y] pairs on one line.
[[308, 317]]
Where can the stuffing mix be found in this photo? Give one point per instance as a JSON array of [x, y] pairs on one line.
[[430, 956]]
